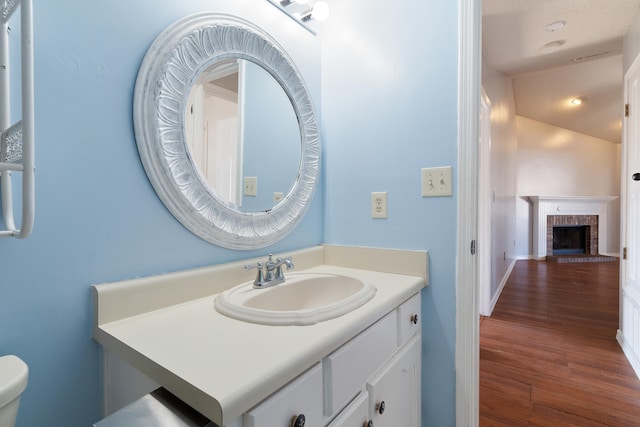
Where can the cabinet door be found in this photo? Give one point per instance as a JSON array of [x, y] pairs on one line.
[[303, 396], [395, 390]]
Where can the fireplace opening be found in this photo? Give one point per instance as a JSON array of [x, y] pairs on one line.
[[570, 239]]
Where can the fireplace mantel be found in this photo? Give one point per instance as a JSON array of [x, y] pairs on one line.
[[559, 205]]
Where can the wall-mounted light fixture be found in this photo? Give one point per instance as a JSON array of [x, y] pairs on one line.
[[319, 12], [304, 12], [285, 3], [577, 101]]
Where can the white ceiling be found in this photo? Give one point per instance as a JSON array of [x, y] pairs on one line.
[[545, 79]]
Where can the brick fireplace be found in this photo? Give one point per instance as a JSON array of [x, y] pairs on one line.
[[568, 211], [589, 222]]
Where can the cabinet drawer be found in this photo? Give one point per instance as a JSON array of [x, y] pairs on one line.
[[354, 415], [409, 319], [302, 396], [348, 368]]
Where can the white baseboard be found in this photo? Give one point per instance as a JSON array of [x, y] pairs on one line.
[[628, 351], [613, 254], [503, 282], [518, 257]]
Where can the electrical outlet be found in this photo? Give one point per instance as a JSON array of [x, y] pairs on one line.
[[250, 186], [437, 182], [379, 204]]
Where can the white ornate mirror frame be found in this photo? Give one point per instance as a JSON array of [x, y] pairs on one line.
[[170, 67]]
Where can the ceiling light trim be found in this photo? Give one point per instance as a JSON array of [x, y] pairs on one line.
[[555, 26]]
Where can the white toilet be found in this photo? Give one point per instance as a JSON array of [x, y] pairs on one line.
[[14, 374]]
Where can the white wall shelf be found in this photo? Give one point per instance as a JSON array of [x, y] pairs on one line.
[[17, 139]]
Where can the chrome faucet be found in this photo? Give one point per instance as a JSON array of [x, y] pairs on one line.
[[270, 272]]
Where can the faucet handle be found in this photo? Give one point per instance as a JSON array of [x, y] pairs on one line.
[[257, 265], [259, 280]]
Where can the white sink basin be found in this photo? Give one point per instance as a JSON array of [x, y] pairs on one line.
[[303, 299]]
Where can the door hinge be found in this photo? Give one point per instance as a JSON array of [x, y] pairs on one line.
[[626, 110], [624, 253], [473, 247]]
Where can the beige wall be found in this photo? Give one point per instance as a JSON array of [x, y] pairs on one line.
[[631, 43], [557, 162], [499, 90]]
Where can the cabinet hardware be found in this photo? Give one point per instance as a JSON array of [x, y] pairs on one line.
[[380, 407], [368, 424], [298, 421], [414, 319]]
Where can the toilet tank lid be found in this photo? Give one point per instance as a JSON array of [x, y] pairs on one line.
[[14, 374]]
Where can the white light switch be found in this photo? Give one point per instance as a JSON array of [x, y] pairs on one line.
[[250, 186], [437, 182]]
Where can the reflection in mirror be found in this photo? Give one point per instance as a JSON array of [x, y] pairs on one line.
[[243, 135]]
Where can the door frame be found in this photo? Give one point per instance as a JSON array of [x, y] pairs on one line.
[[467, 348]]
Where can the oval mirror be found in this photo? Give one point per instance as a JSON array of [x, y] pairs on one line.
[[226, 131]]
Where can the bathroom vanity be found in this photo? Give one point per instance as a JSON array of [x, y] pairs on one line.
[[345, 371]]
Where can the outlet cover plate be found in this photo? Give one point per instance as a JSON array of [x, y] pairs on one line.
[[379, 204]]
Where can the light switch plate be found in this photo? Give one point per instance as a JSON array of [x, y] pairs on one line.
[[250, 186], [437, 182]]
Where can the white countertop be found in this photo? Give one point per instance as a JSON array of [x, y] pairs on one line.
[[222, 367]]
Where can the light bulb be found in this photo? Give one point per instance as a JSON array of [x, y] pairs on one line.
[[320, 11]]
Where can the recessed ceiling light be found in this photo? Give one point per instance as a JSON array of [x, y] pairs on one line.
[[554, 44], [555, 26], [577, 101]]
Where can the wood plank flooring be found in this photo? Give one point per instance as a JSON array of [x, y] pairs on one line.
[[549, 355]]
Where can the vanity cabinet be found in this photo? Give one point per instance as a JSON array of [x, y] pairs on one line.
[[165, 331], [373, 377]]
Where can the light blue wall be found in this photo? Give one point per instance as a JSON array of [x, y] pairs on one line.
[[389, 91], [272, 137], [97, 217]]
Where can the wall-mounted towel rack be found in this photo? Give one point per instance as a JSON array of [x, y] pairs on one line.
[[17, 139]]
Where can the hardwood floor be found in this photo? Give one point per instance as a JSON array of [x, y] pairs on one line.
[[549, 355]]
